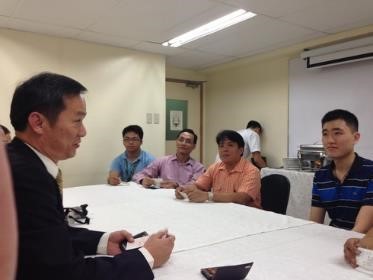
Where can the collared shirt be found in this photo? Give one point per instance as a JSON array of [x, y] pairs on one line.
[[343, 200], [52, 169], [49, 164], [169, 168], [244, 177], [127, 168], [252, 142]]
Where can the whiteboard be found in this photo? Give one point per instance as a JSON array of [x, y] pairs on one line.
[[313, 92]]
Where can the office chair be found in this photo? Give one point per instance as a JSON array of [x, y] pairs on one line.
[[275, 192]]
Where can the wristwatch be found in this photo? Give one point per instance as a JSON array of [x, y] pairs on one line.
[[210, 196]]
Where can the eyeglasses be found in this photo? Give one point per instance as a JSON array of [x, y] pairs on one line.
[[135, 139]]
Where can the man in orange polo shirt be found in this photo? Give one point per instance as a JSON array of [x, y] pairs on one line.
[[234, 179]]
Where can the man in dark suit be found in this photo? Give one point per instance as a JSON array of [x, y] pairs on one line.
[[47, 113]]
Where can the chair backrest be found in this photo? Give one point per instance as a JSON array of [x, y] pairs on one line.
[[275, 192]]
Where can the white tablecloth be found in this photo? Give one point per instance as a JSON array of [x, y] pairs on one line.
[[309, 252], [214, 234], [300, 190], [137, 209]]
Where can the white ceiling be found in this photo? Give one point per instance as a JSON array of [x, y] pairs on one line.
[[145, 24]]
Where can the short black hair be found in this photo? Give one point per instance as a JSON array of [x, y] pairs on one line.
[[5, 129], [188, 130], [254, 124], [231, 135], [43, 93], [133, 128], [340, 114]]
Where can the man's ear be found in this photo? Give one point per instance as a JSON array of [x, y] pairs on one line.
[[37, 122], [356, 136]]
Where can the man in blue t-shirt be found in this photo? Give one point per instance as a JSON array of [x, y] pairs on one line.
[[344, 188], [132, 160]]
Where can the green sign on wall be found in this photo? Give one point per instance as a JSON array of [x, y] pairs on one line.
[[176, 117]]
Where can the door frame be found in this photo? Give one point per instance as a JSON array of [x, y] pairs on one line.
[[195, 84]]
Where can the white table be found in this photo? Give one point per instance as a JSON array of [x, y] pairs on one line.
[[300, 190], [137, 209], [211, 234]]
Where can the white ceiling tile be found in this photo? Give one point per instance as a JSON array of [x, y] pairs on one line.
[[195, 59], [144, 24], [252, 35], [150, 21], [3, 21], [106, 39], [157, 48], [7, 7], [334, 15], [350, 25], [30, 26], [282, 44], [68, 13], [198, 20], [273, 8]]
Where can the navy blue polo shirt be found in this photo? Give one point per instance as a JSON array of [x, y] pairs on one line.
[[343, 201]]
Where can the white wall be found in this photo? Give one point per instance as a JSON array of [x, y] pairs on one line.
[[313, 92], [123, 85], [254, 92], [257, 88]]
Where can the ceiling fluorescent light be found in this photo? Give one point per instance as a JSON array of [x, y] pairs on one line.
[[209, 28]]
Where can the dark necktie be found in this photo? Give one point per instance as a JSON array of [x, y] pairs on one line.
[[59, 181]]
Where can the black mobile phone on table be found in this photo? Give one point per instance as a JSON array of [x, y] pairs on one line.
[[136, 236], [229, 272]]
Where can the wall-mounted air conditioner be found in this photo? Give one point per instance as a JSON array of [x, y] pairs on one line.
[[350, 51]]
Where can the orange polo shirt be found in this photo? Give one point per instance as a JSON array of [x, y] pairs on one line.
[[244, 177]]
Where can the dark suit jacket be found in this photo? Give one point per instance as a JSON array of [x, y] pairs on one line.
[[48, 247]]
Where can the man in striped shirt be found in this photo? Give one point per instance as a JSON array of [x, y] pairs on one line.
[[233, 179], [344, 188]]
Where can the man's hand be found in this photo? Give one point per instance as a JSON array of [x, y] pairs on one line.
[[147, 182], [184, 189], [115, 239], [178, 190], [113, 180], [351, 251], [167, 184], [196, 195], [160, 246]]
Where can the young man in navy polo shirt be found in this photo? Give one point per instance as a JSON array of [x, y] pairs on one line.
[[344, 188]]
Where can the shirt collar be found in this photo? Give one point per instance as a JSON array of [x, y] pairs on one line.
[[174, 158], [356, 165], [137, 159], [238, 167], [51, 167]]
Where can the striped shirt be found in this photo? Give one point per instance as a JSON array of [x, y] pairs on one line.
[[244, 177], [343, 201]]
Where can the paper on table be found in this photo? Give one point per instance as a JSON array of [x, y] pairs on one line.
[[138, 243]]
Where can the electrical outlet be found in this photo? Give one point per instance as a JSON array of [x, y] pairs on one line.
[[156, 118], [149, 118]]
